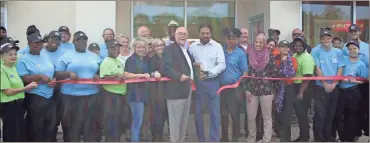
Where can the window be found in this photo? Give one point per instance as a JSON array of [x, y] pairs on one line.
[[157, 15], [320, 14], [256, 25], [3, 12], [218, 14], [191, 14], [363, 18]]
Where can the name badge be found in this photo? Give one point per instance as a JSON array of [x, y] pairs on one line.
[[334, 60]]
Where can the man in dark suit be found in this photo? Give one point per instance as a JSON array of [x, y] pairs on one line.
[[178, 65]]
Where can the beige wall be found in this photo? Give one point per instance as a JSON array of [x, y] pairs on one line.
[[93, 17], [250, 8], [285, 16], [88, 16], [123, 17], [46, 15]]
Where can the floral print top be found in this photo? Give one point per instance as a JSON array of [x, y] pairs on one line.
[[259, 87]]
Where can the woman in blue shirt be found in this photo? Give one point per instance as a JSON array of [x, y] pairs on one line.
[[137, 93], [41, 112], [350, 94], [79, 101]]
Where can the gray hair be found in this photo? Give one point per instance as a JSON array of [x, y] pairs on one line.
[[138, 41]]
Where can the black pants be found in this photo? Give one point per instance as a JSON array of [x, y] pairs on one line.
[[283, 118], [159, 110], [363, 110], [346, 112], [13, 121], [80, 117], [42, 118], [99, 122], [114, 115], [58, 100], [301, 109], [325, 106], [230, 102]]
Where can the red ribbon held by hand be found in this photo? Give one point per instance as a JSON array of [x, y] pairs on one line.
[[235, 85], [110, 82]]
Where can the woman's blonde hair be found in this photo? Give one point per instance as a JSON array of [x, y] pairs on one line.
[[138, 41], [158, 41], [120, 36]]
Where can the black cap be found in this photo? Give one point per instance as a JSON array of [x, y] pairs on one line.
[[32, 29], [300, 38], [2, 28], [93, 46], [34, 38], [337, 38], [270, 31], [353, 27], [232, 31], [79, 34], [284, 43], [353, 42], [54, 34], [7, 46], [325, 33], [9, 40], [112, 43], [63, 29]]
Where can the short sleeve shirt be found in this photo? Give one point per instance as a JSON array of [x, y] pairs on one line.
[[30, 64], [10, 79], [111, 66], [354, 69], [85, 65], [306, 65], [329, 61]]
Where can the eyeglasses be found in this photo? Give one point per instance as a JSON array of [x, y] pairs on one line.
[[160, 45], [296, 34]]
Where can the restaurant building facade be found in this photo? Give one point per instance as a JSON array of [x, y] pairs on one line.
[[126, 16]]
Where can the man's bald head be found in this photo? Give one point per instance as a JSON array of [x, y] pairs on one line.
[[296, 33], [181, 35], [244, 37], [143, 31]]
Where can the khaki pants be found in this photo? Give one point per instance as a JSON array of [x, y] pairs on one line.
[[252, 108]]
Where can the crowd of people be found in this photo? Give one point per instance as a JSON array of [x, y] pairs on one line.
[[34, 101]]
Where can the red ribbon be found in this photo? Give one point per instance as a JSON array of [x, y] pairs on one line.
[[110, 82], [235, 85]]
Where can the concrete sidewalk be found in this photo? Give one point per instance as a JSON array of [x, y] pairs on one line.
[[193, 138]]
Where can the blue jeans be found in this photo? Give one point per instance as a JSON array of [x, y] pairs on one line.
[[207, 90], [137, 110]]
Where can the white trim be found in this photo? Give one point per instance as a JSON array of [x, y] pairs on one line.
[[132, 20], [235, 14], [5, 18], [354, 12], [300, 15], [185, 14]]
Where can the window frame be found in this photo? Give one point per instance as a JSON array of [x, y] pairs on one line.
[[353, 13], [132, 30], [5, 18]]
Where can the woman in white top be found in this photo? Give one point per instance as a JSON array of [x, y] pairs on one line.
[[125, 50], [124, 54]]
